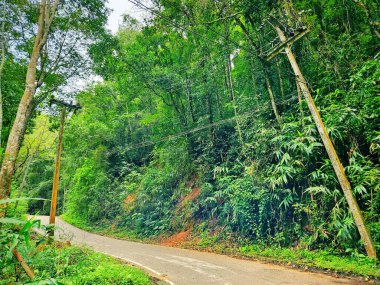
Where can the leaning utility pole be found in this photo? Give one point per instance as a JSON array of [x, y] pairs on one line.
[[337, 165], [54, 195]]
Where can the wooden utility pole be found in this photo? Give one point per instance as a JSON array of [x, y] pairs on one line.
[[54, 195], [337, 165]]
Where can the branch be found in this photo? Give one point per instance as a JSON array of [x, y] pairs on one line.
[[24, 265], [41, 78], [48, 19], [3, 44], [223, 18], [245, 30]]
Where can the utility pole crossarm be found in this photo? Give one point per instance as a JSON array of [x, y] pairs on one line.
[[274, 51], [70, 105]]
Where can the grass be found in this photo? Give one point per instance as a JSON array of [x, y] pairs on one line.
[[88, 267], [71, 265], [322, 259], [314, 260]]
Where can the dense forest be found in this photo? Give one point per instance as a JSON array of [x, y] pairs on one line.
[[196, 119]]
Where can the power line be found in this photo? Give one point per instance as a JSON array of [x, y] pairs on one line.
[[144, 144], [221, 122]]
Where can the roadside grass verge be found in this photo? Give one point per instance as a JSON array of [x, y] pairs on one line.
[[89, 267], [319, 260], [311, 260], [65, 264], [322, 259]]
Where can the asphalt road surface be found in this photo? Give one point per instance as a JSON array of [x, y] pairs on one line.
[[190, 267]]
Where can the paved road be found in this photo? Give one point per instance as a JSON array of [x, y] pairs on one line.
[[189, 267]]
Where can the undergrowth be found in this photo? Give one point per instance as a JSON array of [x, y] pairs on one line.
[[59, 264]]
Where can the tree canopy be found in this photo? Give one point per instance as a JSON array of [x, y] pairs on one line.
[[200, 121]]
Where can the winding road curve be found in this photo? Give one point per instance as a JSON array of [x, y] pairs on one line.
[[189, 267]]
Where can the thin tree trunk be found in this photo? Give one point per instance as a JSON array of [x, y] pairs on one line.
[[230, 86], [209, 109], [3, 43], [271, 96], [280, 81], [210, 117], [226, 83], [265, 68], [254, 84], [24, 265], [217, 97], [234, 103], [190, 100], [337, 165]]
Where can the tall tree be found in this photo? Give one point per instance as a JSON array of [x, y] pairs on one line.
[[77, 23], [46, 15]]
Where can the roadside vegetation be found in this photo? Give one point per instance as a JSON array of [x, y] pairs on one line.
[[28, 257], [202, 124], [351, 263], [65, 264]]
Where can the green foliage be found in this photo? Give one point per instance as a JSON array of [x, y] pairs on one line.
[[15, 234], [156, 194], [57, 263], [82, 266], [75, 265], [356, 263], [181, 131]]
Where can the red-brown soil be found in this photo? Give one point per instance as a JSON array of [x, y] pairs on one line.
[[176, 239]]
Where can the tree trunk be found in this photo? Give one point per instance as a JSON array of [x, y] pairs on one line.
[[210, 116], [338, 168], [16, 134], [271, 96], [230, 86], [253, 79], [190, 100], [265, 68], [18, 128], [2, 63], [280, 81]]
